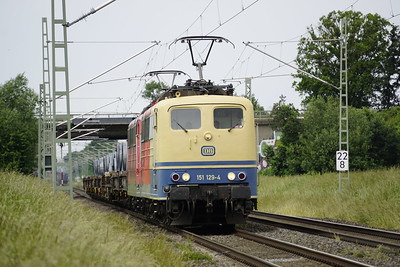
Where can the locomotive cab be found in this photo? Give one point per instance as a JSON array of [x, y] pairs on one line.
[[205, 159]]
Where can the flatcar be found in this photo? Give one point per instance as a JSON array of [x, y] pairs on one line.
[[191, 158]]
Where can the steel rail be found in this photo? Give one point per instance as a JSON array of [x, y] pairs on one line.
[[227, 251], [300, 250], [351, 233]]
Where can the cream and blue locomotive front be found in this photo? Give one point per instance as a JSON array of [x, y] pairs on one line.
[[198, 155]]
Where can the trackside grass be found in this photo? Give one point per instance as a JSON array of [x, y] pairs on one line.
[[39, 228], [373, 198]]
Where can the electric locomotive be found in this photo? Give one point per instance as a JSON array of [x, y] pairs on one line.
[[192, 156]]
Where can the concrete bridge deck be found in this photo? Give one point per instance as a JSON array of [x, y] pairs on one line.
[[115, 126]]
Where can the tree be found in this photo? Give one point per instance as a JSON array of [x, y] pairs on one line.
[[373, 60], [256, 105], [391, 79], [18, 135], [319, 139], [153, 90], [285, 118], [392, 117], [287, 155]]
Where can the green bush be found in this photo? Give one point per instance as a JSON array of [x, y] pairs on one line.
[[308, 145], [18, 135]]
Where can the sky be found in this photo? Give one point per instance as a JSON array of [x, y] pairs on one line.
[[124, 28]]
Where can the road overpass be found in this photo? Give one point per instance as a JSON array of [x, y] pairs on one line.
[[100, 126], [114, 126]]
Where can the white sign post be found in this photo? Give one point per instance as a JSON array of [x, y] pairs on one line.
[[342, 160]]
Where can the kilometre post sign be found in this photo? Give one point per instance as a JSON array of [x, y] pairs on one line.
[[342, 160]]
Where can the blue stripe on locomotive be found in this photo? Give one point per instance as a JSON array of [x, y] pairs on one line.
[[201, 176], [203, 163]]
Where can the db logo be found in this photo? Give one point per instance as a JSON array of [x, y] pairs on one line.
[[207, 150]]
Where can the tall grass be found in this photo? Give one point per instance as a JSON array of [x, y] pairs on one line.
[[40, 228], [373, 198]]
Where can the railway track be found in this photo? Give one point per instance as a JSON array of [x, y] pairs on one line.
[[356, 234], [305, 252], [243, 256]]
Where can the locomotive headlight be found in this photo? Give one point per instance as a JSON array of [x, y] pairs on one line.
[[186, 176], [175, 177], [242, 176], [231, 176]]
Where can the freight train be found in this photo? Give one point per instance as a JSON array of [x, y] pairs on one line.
[[191, 158]]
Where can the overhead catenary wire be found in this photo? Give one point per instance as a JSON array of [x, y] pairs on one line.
[[219, 14], [110, 42], [393, 16], [236, 62], [138, 92], [132, 78], [91, 111], [89, 133], [177, 57], [129, 103], [76, 126], [351, 6], [259, 76], [114, 67], [293, 41], [274, 69], [92, 11], [391, 8], [94, 98], [219, 26], [91, 81], [232, 17], [191, 25], [287, 64], [119, 79]]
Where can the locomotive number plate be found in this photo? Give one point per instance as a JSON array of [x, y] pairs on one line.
[[207, 150], [207, 177]]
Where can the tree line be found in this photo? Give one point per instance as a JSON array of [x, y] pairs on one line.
[[309, 140]]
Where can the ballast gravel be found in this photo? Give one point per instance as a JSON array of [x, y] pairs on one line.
[[381, 256]]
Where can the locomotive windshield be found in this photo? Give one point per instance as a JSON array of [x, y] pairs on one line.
[[228, 118], [185, 119]]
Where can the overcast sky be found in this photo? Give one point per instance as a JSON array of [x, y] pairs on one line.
[[155, 20]]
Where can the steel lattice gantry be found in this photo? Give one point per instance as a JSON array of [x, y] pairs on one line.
[[344, 176], [60, 96], [45, 124]]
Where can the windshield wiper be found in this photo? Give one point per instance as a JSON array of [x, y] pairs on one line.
[[234, 126], [183, 128]]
